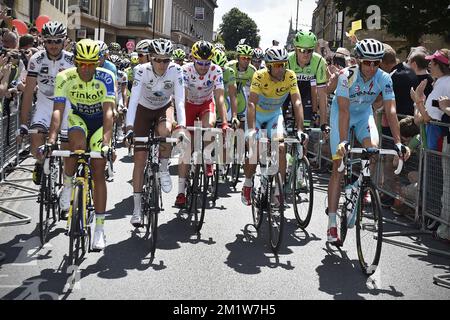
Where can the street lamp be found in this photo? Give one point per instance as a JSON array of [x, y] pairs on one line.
[[100, 19]]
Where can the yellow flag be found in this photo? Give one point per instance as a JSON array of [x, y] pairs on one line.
[[351, 33], [357, 25]]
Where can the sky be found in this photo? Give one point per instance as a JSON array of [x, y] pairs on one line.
[[271, 16]]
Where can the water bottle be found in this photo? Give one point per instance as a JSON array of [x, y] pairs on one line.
[[351, 196]]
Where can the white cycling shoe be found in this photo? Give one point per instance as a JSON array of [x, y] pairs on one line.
[[99, 242], [64, 199], [136, 219]]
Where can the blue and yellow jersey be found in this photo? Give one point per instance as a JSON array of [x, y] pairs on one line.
[[272, 94], [86, 98]]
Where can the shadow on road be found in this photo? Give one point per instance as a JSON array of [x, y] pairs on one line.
[[343, 279]]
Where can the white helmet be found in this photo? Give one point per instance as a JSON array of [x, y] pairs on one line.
[[103, 47], [115, 59], [276, 54], [54, 29], [369, 49], [162, 47], [143, 46], [258, 53]]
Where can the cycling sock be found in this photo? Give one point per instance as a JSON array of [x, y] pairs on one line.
[[331, 220], [99, 221], [67, 181], [137, 200], [181, 185], [164, 165], [248, 183]]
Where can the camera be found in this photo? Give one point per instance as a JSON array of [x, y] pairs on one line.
[[435, 103]]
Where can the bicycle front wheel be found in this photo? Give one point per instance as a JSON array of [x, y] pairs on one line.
[[275, 211], [369, 229], [76, 225], [154, 212], [257, 199], [44, 209], [303, 192]]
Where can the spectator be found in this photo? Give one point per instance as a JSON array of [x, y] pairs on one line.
[[339, 61], [10, 40], [417, 62], [25, 44]]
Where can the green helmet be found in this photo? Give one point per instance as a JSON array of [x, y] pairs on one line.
[[178, 54], [219, 58], [305, 39], [244, 50]]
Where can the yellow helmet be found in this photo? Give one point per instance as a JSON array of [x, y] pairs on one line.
[[202, 50], [87, 50]]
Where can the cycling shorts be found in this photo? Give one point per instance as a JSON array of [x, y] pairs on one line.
[[194, 111], [93, 130]]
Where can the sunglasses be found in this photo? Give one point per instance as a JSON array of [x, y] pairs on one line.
[[369, 63], [256, 61], [307, 51], [87, 64], [165, 61], [278, 64], [203, 63], [245, 58], [54, 41], [140, 55]]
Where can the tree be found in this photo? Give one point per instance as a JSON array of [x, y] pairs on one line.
[[237, 25], [409, 19]]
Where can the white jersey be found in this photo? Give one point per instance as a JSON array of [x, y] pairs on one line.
[[122, 77], [200, 89], [155, 92], [45, 70]]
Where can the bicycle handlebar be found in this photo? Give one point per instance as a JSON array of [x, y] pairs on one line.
[[380, 152], [160, 139], [69, 154]]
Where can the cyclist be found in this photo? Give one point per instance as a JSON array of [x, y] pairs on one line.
[[90, 91], [258, 59], [143, 51], [358, 88], [311, 71], [42, 70], [269, 89], [104, 58], [115, 48], [220, 47], [204, 85], [229, 80], [122, 98], [244, 73], [157, 85], [178, 56]]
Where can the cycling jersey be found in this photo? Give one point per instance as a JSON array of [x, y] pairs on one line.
[[272, 94], [243, 81], [312, 75], [108, 65], [155, 92], [229, 79], [362, 95], [200, 89], [45, 70], [122, 80]]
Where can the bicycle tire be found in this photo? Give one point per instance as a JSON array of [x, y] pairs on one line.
[[204, 198], [154, 211], [44, 209], [75, 225], [257, 197], [370, 220], [303, 221], [276, 222], [194, 195], [215, 185]]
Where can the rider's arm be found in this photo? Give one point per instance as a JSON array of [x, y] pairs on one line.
[[59, 101], [390, 110], [27, 99], [219, 95], [107, 122], [232, 93], [180, 98], [251, 110], [298, 110], [322, 95], [134, 98], [344, 118]]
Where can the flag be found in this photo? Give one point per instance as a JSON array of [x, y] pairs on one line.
[[357, 25]]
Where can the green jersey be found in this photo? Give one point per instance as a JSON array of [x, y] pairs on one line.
[[243, 81]]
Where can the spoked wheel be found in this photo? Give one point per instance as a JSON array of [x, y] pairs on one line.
[[302, 192], [341, 224], [197, 197], [76, 241], [214, 184], [45, 208], [153, 214], [235, 170], [369, 229], [275, 211], [259, 201]]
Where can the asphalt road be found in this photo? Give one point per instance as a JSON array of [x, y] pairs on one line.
[[227, 261]]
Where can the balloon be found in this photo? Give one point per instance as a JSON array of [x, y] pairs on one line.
[[40, 21], [21, 27]]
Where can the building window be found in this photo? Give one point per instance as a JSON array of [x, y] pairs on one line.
[[139, 12]]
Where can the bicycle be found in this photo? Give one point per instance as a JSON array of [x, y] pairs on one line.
[[197, 184], [264, 189], [368, 216], [299, 186], [50, 188], [151, 193], [81, 213], [235, 168]]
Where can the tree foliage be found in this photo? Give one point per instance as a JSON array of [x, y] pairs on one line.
[[409, 19], [237, 25]]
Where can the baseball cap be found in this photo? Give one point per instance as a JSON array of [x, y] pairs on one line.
[[439, 57]]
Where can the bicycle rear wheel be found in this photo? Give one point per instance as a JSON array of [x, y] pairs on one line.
[[75, 232], [276, 214], [303, 192], [44, 209], [369, 229]]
